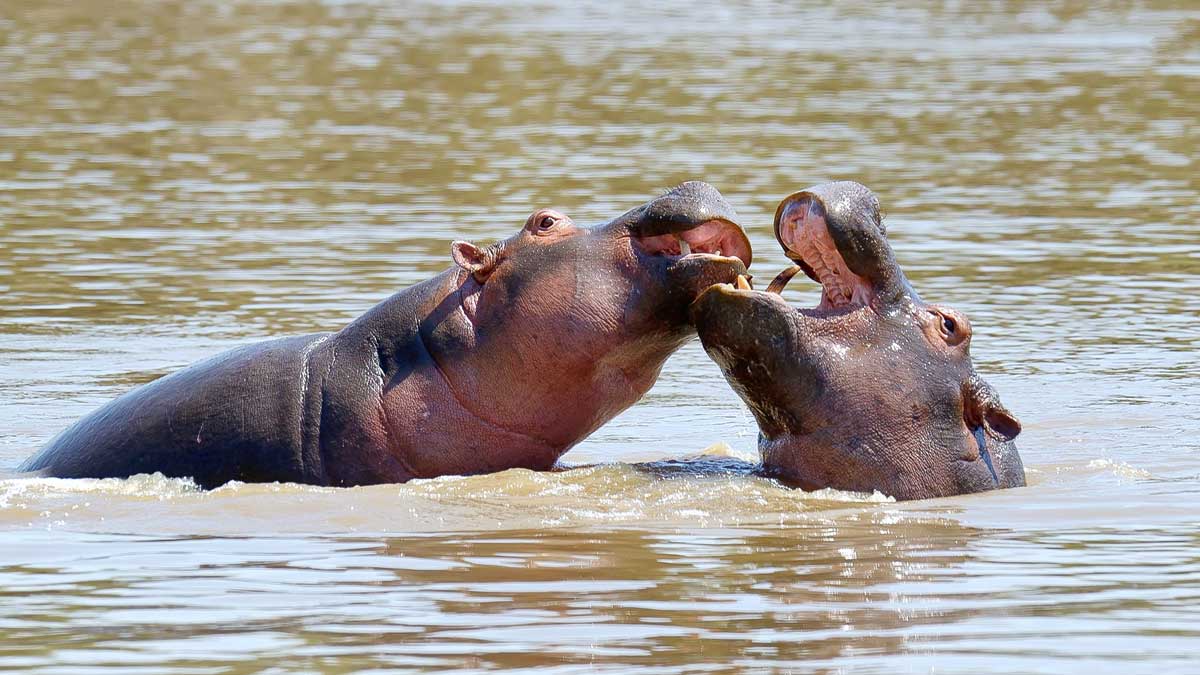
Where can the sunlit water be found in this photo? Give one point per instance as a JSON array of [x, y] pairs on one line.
[[179, 178]]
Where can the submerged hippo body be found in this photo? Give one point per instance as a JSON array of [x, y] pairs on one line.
[[873, 389], [505, 360]]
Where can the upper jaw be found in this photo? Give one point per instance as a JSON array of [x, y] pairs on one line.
[[693, 217], [721, 240], [680, 208], [803, 230]]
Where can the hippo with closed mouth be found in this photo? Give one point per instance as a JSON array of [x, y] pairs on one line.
[[872, 389], [505, 360]]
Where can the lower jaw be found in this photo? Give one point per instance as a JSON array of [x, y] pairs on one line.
[[706, 273]]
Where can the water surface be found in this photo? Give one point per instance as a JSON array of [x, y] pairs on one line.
[[180, 178]]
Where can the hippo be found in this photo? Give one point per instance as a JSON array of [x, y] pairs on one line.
[[872, 389], [507, 359]]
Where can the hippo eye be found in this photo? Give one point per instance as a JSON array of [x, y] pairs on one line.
[[951, 327], [547, 222]]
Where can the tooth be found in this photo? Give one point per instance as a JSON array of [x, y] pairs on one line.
[[718, 251], [777, 284], [684, 247], [744, 283]]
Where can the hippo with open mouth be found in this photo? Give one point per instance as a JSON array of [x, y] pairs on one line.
[[872, 389], [505, 360]]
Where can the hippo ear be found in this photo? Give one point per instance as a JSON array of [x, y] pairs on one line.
[[478, 261], [982, 406]]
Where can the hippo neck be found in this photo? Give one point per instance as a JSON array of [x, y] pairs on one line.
[[399, 332]]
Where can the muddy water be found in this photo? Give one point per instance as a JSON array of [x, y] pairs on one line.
[[179, 178]]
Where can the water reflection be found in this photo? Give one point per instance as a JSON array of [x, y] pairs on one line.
[[848, 589], [510, 600]]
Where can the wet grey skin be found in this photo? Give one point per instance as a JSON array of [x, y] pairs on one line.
[[507, 359], [874, 388]]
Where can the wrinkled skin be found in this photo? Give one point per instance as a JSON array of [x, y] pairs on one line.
[[505, 360], [874, 388]]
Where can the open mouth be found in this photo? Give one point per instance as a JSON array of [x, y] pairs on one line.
[[801, 227], [714, 238]]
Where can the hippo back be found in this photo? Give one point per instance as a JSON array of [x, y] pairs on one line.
[[235, 416]]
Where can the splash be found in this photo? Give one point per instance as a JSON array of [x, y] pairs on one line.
[[718, 488]]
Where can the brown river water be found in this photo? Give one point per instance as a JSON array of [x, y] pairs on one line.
[[177, 178]]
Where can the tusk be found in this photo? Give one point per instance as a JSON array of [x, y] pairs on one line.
[[782, 280], [743, 283], [684, 247]]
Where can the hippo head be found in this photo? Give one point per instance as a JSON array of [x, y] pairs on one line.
[[873, 389], [560, 327]]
